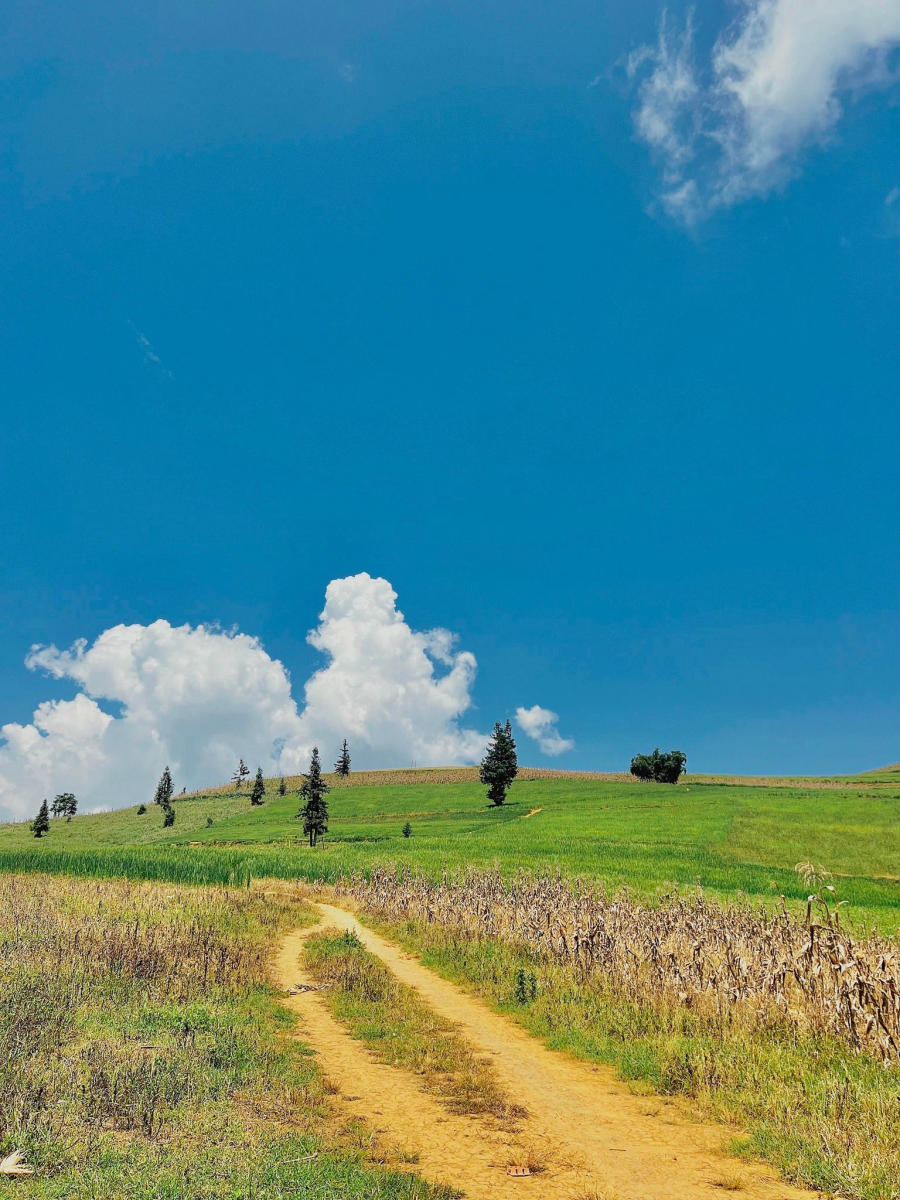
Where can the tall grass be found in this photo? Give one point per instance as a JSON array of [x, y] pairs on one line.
[[176, 865], [192, 865]]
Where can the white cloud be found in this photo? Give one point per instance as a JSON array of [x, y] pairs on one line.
[[199, 697], [540, 724], [380, 688], [193, 697], [773, 86]]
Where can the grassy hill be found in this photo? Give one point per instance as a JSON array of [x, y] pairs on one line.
[[733, 838], [889, 774]]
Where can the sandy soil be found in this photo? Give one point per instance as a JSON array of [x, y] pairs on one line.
[[593, 1136]]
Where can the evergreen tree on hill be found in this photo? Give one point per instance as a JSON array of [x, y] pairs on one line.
[[342, 766], [315, 808], [282, 787], [499, 766], [258, 795], [240, 774], [41, 823], [164, 789]]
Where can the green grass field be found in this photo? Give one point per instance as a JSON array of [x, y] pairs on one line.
[[733, 839]]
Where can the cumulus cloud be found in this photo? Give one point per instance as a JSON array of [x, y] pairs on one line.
[[395, 693], [199, 697], [774, 84], [540, 724], [195, 698]]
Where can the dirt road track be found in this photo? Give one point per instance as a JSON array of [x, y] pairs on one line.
[[449, 1149], [595, 1136]]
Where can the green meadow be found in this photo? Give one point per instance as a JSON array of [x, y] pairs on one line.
[[733, 839]]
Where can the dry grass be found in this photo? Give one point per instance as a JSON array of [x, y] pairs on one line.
[[440, 775], [419, 776], [74, 957], [729, 1183], [734, 964]]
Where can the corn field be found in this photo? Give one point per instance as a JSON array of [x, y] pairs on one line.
[[734, 964]]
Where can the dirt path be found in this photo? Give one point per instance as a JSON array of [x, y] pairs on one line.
[[594, 1134], [449, 1149]]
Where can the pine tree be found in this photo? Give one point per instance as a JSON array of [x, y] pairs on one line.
[[41, 823], [142, 808], [407, 830], [315, 809], [342, 766], [164, 789], [240, 774], [499, 766], [168, 814], [258, 795], [282, 787], [57, 808]]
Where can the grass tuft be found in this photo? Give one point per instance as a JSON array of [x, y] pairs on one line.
[[403, 1031]]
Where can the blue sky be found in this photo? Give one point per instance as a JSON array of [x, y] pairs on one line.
[[296, 292]]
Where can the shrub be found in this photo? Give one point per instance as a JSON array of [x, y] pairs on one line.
[[661, 768]]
